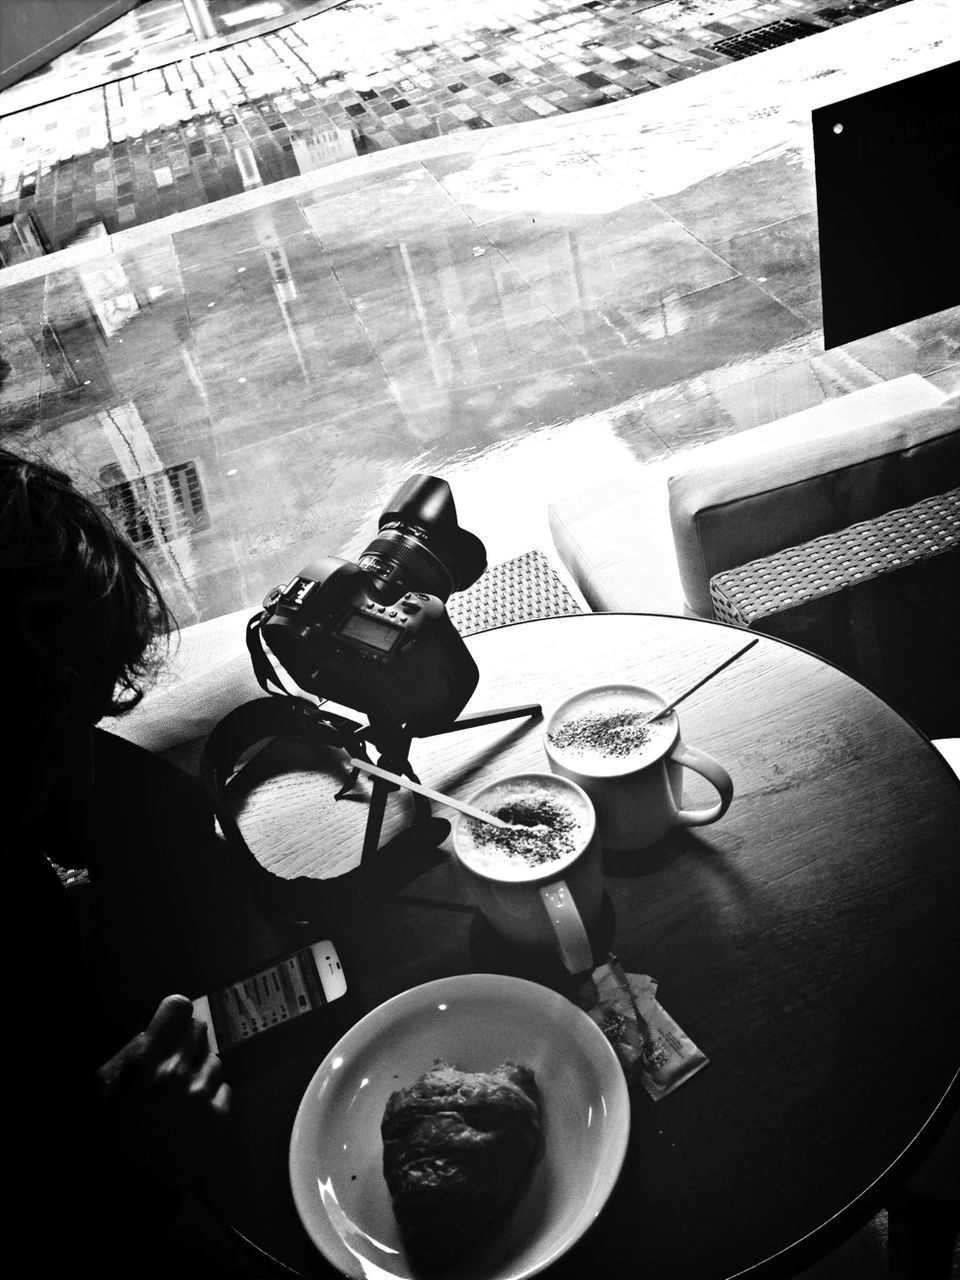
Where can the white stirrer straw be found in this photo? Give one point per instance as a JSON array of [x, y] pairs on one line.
[[410, 785]]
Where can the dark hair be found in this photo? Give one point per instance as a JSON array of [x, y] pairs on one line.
[[83, 619]]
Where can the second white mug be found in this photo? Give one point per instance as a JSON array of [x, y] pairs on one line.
[[630, 765]]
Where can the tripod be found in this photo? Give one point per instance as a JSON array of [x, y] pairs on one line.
[[393, 742]]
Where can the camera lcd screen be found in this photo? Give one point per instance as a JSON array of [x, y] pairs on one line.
[[371, 631]]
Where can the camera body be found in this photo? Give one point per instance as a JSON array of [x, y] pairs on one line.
[[376, 635], [340, 634]]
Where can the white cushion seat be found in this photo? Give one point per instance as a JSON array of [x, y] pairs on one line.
[[650, 539]]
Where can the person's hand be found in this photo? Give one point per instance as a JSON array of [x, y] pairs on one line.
[[163, 1101]]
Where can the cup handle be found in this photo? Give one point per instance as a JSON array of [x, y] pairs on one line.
[[714, 772], [575, 949]]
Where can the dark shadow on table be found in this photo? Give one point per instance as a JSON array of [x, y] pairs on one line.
[[681, 842]]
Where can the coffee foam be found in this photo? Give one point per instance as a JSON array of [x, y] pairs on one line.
[[514, 855], [610, 731]]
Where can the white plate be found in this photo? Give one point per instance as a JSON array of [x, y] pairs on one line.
[[473, 1022]]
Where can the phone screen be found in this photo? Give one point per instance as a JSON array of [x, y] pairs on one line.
[[275, 995]]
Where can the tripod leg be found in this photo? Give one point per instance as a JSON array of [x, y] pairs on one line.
[[394, 757], [399, 762], [531, 709], [371, 836], [394, 744]]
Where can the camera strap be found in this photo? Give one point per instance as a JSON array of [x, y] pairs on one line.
[[222, 760], [262, 666], [263, 718]]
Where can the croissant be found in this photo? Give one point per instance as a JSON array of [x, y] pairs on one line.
[[456, 1148]]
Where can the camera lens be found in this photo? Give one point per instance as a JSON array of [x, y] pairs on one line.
[[398, 556], [420, 546]]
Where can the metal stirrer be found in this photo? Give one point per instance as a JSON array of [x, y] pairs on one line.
[[709, 676]]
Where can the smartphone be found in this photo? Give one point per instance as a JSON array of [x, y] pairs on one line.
[[279, 995]]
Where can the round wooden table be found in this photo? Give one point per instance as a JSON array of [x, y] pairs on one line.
[[807, 942]]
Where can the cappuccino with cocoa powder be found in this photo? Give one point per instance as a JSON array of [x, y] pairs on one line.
[[611, 731], [629, 760], [549, 827], [538, 881]]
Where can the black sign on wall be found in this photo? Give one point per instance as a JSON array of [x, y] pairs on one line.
[[888, 204]]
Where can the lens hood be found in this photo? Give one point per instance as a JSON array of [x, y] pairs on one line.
[[423, 507]]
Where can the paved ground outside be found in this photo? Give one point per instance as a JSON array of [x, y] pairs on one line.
[[356, 78]]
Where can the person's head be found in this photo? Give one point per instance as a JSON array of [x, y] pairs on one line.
[[80, 621]]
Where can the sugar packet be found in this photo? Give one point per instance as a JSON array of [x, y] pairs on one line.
[[650, 1045]]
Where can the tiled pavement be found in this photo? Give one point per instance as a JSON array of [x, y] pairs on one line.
[[361, 77], [153, 34]]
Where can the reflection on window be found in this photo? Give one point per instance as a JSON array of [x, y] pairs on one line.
[[155, 508], [110, 295]]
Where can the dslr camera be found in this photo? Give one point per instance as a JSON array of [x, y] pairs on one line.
[[376, 635]]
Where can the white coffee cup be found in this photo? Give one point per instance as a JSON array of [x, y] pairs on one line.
[[537, 891], [630, 764]]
